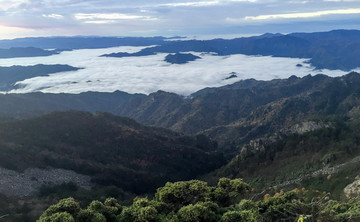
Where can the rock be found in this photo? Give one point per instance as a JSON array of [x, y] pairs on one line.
[[305, 127], [353, 190], [258, 145], [15, 184], [254, 146]]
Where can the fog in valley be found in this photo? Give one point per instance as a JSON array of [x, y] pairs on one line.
[[147, 74]]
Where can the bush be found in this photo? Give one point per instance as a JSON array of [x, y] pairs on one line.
[[246, 215], [58, 217], [69, 206], [200, 212]]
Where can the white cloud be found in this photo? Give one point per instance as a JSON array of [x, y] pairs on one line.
[[196, 4], [100, 22], [148, 74], [54, 16], [81, 16], [204, 3], [108, 18], [304, 14]]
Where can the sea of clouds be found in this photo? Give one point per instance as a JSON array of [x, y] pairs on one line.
[[147, 74]]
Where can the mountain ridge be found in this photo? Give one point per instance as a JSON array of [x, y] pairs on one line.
[[325, 50]]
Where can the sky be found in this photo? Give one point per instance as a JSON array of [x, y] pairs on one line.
[[27, 18]]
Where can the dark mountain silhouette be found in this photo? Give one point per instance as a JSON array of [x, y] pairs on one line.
[[25, 52], [10, 75], [180, 58]]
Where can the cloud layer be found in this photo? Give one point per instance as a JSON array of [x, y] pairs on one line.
[[150, 73]]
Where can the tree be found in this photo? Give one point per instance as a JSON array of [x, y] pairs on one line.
[[246, 215], [183, 193], [200, 212], [60, 210], [58, 217], [89, 215]]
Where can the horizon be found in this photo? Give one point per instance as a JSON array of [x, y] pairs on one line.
[[177, 37]]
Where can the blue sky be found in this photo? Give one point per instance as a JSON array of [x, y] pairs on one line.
[[20, 18]]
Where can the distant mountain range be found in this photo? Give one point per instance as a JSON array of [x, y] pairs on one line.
[[25, 52], [332, 50], [326, 50]]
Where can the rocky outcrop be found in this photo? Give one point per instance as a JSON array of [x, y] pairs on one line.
[[305, 127], [353, 190], [14, 184], [259, 144]]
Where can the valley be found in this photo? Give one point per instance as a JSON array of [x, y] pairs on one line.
[[147, 120], [279, 134]]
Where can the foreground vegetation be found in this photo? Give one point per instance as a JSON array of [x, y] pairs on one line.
[[196, 201]]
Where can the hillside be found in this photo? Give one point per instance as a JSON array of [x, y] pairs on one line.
[[319, 154], [214, 107], [334, 96], [112, 150], [35, 104]]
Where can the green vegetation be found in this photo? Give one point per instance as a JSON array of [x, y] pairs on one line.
[[196, 201]]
